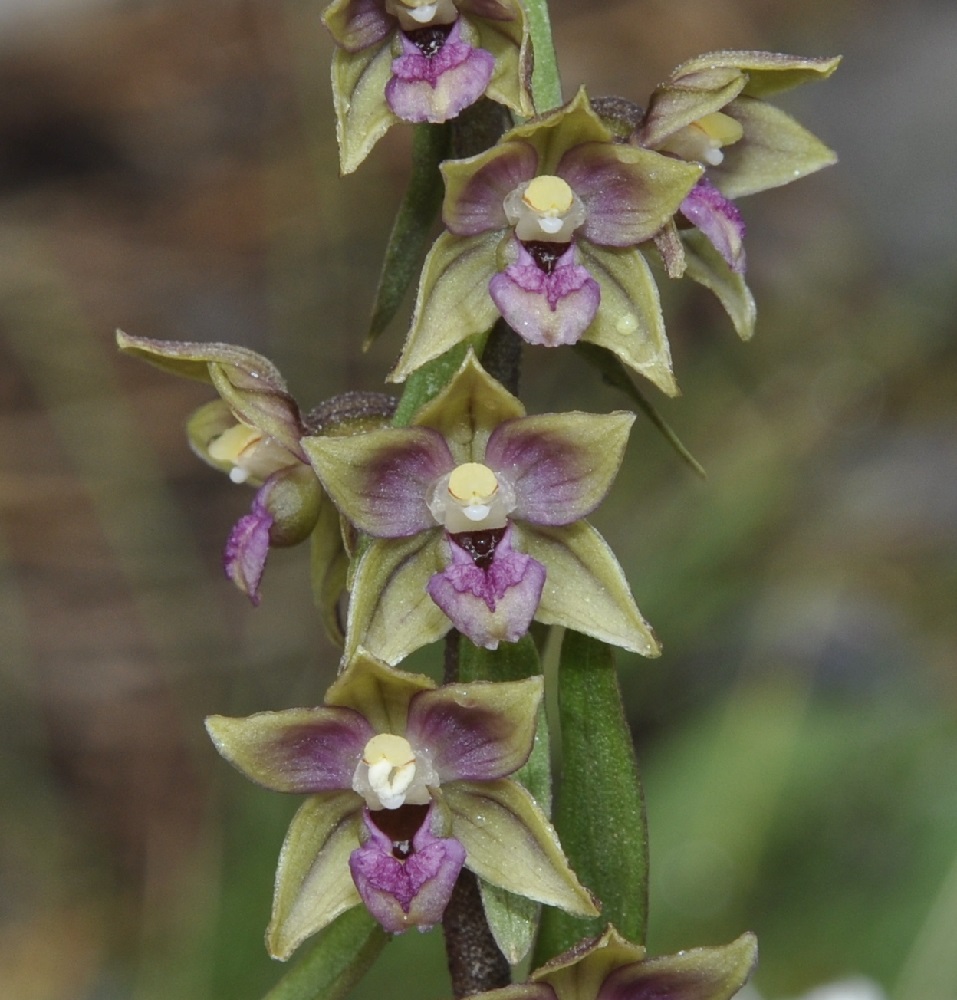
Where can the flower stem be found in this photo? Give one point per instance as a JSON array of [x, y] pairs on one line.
[[475, 963], [546, 83]]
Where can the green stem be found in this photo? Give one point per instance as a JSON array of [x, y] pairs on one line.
[[546, 83]]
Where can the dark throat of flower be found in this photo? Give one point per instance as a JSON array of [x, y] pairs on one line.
[[545, 254], [400, 826], [429, 41], [480, 545]]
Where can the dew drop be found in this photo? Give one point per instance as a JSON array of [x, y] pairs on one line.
[[627, 323]]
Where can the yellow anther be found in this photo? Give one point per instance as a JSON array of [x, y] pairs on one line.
[[720, 128], [231, 444], [473, 483], [387, 747], [548, 195]]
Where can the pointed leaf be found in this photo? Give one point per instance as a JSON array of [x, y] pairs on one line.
[[629, 321], [313, 884], [614, 373], [585, 588], [708, 268], [510, 843], [413, 221], [454, 283], [335, 962], [600, 812]]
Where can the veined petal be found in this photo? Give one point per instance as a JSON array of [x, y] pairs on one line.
[[548, 308], [381, 480], [390, 611], [408, 892], [560, 465], [247, 548], [695, 974], [510, 843], [378, 692], [313, 884], [357, 24], [775, 150], [629, 322], [629, 192], [476, 188], [586, 589], [719, 219], [297, 750], [489, 605], [454, 282], [476, 731], [436, 88]]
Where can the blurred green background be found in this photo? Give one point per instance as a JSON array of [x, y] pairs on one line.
[[169, 167]]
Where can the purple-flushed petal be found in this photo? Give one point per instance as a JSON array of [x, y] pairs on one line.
[[492, 603], [247, 547], [475, 203], [406, 884], [437, 87], [358, 24], [468, 737], [554, 476], [550, 308], [719, 219], [651, 981]]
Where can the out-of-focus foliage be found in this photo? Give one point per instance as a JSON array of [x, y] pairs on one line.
[[171, 169]]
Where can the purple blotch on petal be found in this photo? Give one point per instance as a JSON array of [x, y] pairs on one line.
[[643, 981], [247, 547], [406, 884], [361, 24], [493, 604], [321, 755], [549, 308], [480, 205], [719, 219], [435, 88]]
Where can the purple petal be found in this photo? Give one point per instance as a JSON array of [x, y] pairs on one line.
[[553, 475], [490, 604], [436, 88], [247, 548], [476, 203], [406, 885], [719, 220], [358, 24], [546, 307]]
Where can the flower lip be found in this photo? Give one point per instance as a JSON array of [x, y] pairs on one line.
[[544, 209]]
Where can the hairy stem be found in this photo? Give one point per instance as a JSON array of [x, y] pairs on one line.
[[475, 963]]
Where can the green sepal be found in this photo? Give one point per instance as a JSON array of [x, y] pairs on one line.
[[629, 321], [425, 383], [335, 962], [390, 612], [513, 919], [768, 72], [509, 43], [204, 426], [687, 96], [614, 373], [510, 843], [775, 150], [454, 283], [413, 221], [586, 589], [358, 89], [313, 883], [377, 692], [708, 268], [599, 811], [329, 568]]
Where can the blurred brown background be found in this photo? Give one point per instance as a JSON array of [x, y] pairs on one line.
[[169, 167]]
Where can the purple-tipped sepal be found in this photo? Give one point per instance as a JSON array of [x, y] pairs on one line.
[[551, 305], [406, 883], [436, 87], [718, 219], [489, 592]]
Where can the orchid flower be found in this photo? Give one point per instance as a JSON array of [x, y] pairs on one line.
[[612, 968], [476, 517], [543, 229], [407, 783], [422, 61]]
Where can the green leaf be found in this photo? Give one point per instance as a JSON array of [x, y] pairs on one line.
[[600, 812], [613, 372], [335, 962], [413, 221], [546, 82]]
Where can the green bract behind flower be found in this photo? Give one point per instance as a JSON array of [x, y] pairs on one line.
[[476, 511], [544, 229]]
